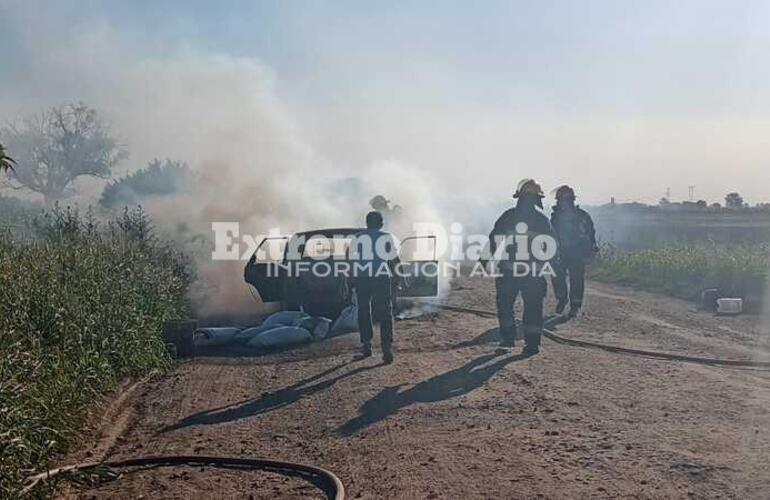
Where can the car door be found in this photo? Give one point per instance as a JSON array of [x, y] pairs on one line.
[[265, 271], [419, 270]]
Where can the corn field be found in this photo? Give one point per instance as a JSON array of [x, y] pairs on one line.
[[81, 307], [685, 270]]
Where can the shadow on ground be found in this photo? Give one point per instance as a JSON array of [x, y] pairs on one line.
[[554, 320], [388, 401], [447, 385], [245, 351], [488, 337], [492, 335], [269, 401]]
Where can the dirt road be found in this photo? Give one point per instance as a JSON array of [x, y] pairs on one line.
[[455, 417]]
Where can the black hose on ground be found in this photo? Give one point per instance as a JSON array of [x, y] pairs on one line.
[[326, 480], [745, 363], [329, 482]]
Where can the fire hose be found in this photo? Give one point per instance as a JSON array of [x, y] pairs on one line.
[[329, 482], [549, 334], [326, 480]]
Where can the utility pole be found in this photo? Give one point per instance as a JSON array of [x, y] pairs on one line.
[[692, 192], [668, 193]]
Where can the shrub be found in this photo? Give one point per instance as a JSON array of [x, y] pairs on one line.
[[16, 212], [685, 270], [156, 179], [81, 307]]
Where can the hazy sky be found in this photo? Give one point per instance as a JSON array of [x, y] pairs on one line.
[[619, 98]]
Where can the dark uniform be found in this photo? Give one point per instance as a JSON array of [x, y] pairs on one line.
[[532, 288], [374, 289], [577, 243], [375, 302]]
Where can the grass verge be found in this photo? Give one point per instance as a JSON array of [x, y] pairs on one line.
[[81, 307], [686, 270]]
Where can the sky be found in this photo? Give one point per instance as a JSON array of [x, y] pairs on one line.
[[619, 99]]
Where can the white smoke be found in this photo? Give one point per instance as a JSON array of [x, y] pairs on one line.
[[222, 115]]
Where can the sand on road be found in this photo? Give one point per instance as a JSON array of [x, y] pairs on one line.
[[455, 417]]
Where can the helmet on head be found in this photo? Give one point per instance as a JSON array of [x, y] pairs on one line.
[[379, 202], [528, 186], [564, 191]]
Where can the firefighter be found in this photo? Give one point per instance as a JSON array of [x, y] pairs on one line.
[[392, 214], [375, 257], [380, 203], [577, 244], [526, 219]]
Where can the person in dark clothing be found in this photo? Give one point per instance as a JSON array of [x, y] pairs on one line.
[[374, 252], [527, 219], [577, 244]]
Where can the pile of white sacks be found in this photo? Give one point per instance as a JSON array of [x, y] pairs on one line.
[[280, 329]]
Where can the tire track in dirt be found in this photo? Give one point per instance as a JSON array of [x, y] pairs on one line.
[[455, 418]]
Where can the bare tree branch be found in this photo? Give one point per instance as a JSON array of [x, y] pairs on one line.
[[6, 162], [56, 147]]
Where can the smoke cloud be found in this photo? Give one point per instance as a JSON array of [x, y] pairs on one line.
[[224, 117], [442, 140]]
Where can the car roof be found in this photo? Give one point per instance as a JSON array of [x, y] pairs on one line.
[[330, 233]]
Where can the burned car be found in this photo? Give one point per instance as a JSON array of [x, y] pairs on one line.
[[278, 270]]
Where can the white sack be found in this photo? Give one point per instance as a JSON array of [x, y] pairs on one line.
[[281, 336], [205, 337]]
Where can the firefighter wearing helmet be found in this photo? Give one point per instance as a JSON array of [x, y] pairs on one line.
[[525, 219], [391, 213], [380, 203], [577, 244]]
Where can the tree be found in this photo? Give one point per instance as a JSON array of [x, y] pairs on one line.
[[733, 200], [6, 162], [58, 146], [156, 179]]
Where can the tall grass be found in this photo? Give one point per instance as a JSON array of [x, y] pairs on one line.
[[685, 270], [15, 213], [81, 307]]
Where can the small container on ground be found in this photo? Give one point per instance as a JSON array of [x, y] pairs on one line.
[[729, 306]]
